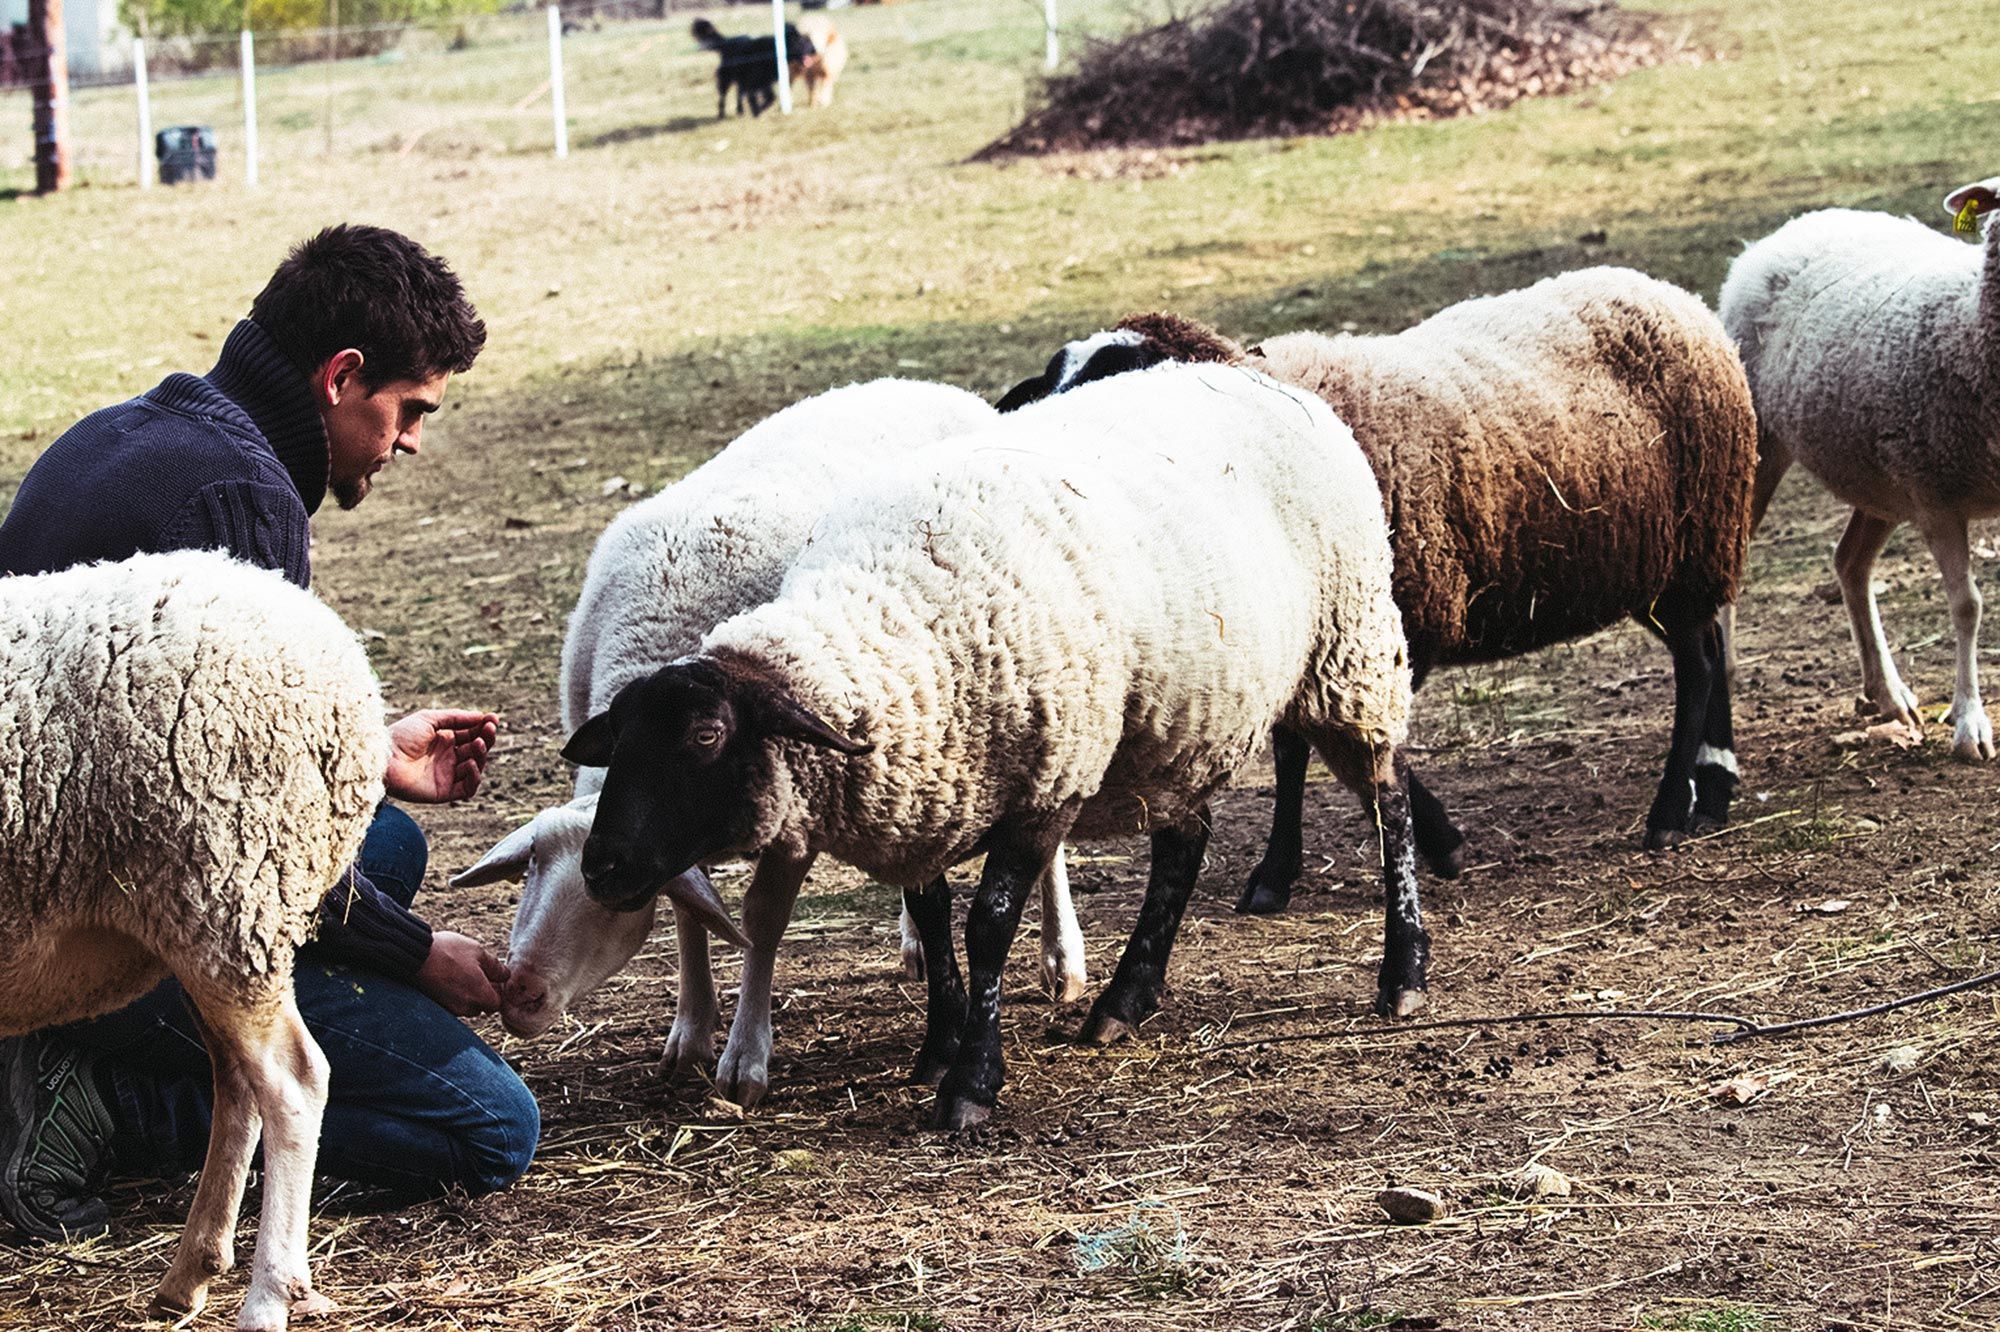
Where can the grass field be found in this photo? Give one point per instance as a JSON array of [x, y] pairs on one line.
[[678, 278]]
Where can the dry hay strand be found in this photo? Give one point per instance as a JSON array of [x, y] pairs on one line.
[[1241, 68]]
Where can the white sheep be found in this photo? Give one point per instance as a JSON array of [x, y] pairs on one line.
[[1553, 460], [1079, 621], [666, 571], [1873, 348], [190, 753]]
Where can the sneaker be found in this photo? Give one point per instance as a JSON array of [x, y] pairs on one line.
[[55, 1134]]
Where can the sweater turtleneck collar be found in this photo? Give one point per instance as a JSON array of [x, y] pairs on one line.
[[254, 374]]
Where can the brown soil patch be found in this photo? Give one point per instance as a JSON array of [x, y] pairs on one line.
[[1221, 1171]]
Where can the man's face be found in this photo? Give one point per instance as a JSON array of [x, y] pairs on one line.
[[364, 429]]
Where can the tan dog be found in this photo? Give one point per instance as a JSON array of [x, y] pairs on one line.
[[829, 56]]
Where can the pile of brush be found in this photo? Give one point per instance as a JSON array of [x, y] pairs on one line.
[[1240, 68]]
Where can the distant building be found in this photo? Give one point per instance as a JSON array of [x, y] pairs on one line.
[[96, 38]]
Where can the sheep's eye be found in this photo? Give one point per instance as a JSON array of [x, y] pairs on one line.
[[705, 737]]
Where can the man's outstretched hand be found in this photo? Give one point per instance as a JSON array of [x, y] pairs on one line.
[[439, 755]]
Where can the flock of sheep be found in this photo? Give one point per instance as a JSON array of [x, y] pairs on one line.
[[904, 628]]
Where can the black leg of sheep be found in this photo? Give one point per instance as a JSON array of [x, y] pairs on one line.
[[1715, 776], [1698, 674], [1270, 886], [930, 912], [1134, 992], [1017, 855], [1269, 890]]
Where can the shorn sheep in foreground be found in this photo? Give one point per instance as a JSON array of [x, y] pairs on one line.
[[193, 749], [1553, 460], [1873, 348], [1024, 635], [666, 571]]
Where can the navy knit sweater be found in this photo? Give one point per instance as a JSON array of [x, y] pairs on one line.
[[233, 461]]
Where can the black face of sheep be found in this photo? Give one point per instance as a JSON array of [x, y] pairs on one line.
[[1098, 357], [687, 753]]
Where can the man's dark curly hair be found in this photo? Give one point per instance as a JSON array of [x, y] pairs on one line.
[[375, 290]]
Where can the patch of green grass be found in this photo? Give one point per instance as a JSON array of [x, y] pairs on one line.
[[1720, 1318]]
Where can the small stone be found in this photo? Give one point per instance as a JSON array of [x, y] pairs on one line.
[[1536, 1180], [1900, 1060], [613, 484], [1410, 1207], [795, 1161]]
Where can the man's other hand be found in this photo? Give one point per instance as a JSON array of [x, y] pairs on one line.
[[439, 755]]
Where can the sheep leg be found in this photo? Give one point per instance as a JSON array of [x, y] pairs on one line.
[[1134, 992], [208, 1242], [1672, 814], [268, 1046], [1439, 841], [1270, 886], [691, 1040], [743, 1075], [1854, 566], [1372, 774], [1715, 762], [1017, 854], [1972, 733], [1062, 939], [929, 909], [913, 943]]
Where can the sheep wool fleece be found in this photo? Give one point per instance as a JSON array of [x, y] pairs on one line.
[[718, 541], [1872, 342], [1108, 597], [1600, 416], [190, 752]]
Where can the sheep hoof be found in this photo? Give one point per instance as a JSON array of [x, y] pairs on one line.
[[312, 1304], [1101, 1029], [1447, 864], [1398, 1003], [956, 1112], [1263, 899], [176, 1307], [1664, 839], [1063, 989]]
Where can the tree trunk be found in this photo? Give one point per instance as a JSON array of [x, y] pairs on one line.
[[48, 73]]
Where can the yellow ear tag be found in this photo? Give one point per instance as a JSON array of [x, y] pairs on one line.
[[1966, 223]]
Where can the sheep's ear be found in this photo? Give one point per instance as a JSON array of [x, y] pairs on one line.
[[507, 860], [1979, 193], [1025, 392], [591, 746], [789, 718]]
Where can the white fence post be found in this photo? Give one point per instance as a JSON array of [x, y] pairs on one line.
[[784, 59], [556, 81], [1049, 23], [249, 109], [145, 113]]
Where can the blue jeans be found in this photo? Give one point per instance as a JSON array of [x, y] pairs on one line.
[[416, 1103]]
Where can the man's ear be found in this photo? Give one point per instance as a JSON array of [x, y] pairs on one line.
[[340, 375], [591, 746], [791, 719]]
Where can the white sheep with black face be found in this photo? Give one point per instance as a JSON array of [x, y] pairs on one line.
[[1873, 348], [1080, 620], [191, 750], [666, 571]]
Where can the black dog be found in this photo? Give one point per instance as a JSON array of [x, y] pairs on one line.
[[751, 63]]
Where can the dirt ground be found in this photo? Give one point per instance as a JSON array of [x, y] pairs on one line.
[[1222, 1170]]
